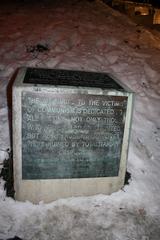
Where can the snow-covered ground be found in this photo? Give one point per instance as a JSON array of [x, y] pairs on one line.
[[90, 36]]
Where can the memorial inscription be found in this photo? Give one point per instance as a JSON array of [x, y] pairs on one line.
[[71, 135]]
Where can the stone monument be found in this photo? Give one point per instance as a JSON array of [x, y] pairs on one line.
[[70, 133]]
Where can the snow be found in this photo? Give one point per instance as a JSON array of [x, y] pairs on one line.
[[86, 36]]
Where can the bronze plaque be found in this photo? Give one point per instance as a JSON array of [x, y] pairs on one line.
[[71, 135], [70, 78]]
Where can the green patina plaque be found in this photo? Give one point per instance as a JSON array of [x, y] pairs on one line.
[[71, 135]]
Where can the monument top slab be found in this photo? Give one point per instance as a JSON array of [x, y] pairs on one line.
[[58, 77]]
